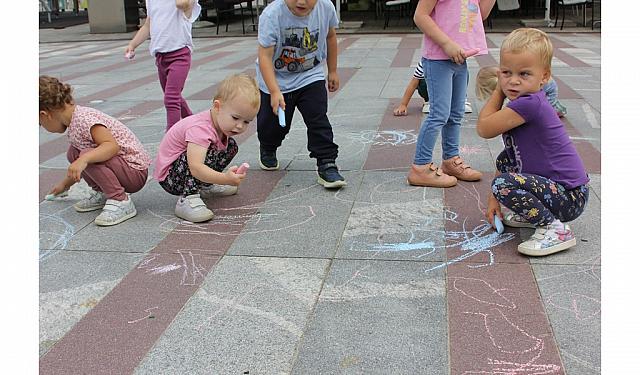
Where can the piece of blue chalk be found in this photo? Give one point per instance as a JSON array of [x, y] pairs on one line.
[[281, 118], [52, 197], [498, 223]]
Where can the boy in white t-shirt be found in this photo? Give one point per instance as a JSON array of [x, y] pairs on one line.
[[168, 23], [194, 152]]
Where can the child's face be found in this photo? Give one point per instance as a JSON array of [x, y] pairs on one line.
[[233, 116], [301, 8], [521, 73], [52, 121]]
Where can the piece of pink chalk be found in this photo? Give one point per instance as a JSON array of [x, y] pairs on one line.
[[242, 168], [471, 52], [130, 55]]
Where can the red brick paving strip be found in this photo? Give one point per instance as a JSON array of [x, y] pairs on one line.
[[497, 321], [399, 156], [118, 332]]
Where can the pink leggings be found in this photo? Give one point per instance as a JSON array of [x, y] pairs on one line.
[[113, 177], [173, 68]]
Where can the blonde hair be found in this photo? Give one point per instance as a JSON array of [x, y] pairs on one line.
[[529, 40], [239, 84], [486, 82], [53, 94]]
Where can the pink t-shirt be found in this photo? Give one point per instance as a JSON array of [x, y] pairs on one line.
[[79, 133], [462, 22], [198, 129]]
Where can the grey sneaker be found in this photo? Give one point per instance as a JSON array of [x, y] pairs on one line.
[[215, 190], [95, 202], [115, 212], [547, 240], [193, 209], [511, 219]]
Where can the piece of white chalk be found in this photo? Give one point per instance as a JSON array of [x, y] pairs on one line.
[[52, 197], [242, 168], [471, 52], [498, 223], [281, 118]]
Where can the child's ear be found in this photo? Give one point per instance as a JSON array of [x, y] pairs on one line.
[[546, 76], [216, 105]]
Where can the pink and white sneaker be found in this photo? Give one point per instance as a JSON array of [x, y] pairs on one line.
[[548, 239]]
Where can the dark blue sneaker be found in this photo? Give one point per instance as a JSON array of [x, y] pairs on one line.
[[329, 177], [268, 160]]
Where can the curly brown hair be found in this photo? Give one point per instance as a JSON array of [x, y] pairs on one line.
[[53, 94]]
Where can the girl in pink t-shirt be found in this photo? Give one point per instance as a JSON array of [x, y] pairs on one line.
[[452, 31], [102, 151]]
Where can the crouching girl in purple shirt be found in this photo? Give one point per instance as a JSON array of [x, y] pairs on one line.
[[540, 178]]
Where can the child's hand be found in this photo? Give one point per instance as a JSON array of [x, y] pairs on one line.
[[130, 50], [455, 52], [277, 100], [234, 178], [334, 81], [59, 188], [74, 172], [401, 110], [493, 208]]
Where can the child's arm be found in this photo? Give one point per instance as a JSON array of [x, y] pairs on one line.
[[485, 8], [428, 26], [494, 120], [107, 148], [401, 109], [186, 6], [140, 37], [196, 155], [265, 62], [332, 60]]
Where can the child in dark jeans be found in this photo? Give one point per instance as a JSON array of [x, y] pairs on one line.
[[295, 37]]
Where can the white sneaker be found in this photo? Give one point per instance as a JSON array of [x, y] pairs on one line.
[[95, 202], [548, 239], [511, 219], [467, 107], [215, 190], [425, 107], [115, 212], [193, 209]]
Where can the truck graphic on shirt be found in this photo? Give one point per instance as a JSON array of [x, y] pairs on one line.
[[294, 63]]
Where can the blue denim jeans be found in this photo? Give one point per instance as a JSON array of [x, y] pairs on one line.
[[447, 82]]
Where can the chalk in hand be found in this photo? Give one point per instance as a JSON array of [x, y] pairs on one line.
[[281, 118], [242, 168], [52, 197], [498, 223], [130, 55], [471, 52]]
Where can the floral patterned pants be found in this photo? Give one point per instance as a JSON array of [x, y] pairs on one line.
[[179, 181], [537, 199]]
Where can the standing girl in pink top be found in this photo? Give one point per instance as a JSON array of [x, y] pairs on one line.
[[452, 32], [102, 151], [168, 23]]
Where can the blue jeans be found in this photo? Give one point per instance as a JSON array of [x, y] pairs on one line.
[[447, 82]]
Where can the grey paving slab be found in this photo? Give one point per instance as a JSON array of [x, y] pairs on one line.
[[595, 185], [377, 317], [391, 220], [71, 283], [155, 219], [588, 235], [247, 318], [571, 295], [299, 219]]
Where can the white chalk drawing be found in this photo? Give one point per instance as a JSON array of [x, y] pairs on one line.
[[56, 237], [384, 137], [515, 350], [149, 315], [472, 150], [192, 271]]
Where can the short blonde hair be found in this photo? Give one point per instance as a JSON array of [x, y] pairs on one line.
[[486, 82], [239, 84], [530, 40]]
